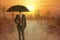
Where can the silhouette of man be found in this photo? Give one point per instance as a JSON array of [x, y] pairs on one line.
[[20, 20]]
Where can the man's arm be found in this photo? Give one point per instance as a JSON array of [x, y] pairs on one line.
[[25, 20], [16, 19]]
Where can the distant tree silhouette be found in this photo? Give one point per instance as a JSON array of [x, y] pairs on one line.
[[37, 15], [12, 15], [48, 14], [3, 9], [0, 7]]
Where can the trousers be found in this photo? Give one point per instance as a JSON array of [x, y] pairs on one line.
[[20, 32]]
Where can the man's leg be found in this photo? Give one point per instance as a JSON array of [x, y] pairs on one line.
[[23, 38], [19, 34]]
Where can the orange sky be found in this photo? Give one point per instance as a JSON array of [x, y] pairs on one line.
[[42, 5]]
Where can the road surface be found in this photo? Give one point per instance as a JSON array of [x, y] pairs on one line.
[[35, 30]]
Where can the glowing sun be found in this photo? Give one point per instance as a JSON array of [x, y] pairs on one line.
[[31, 8]]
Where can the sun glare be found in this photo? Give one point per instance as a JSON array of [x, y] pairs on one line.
[[30, 8]]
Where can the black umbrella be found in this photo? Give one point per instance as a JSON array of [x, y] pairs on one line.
[[18, 8]]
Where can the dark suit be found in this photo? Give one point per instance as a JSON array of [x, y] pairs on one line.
[[20, 27]]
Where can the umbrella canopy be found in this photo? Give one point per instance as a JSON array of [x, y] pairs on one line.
[[18, 8]]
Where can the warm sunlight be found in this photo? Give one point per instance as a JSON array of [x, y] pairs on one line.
[[31, 8]]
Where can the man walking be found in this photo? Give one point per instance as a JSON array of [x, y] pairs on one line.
[[20, 20]]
